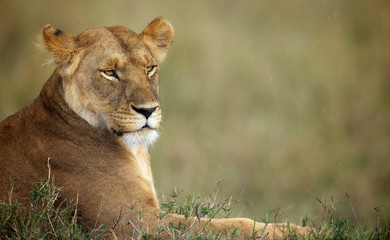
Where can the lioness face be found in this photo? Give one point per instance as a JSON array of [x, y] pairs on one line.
[[117, 87], [111, 79]]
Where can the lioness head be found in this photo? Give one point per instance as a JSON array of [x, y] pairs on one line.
[[111, 76]]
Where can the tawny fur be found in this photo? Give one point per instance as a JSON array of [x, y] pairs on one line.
[[88, 121]]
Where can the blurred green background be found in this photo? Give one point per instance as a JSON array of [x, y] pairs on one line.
[[276, 99]]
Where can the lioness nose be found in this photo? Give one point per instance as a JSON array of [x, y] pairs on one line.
[[144, 111]]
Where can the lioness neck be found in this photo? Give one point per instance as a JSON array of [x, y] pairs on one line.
[[142, 162], [52, 97]]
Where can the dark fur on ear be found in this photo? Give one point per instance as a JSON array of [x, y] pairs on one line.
[[158, 36], [60, 44]]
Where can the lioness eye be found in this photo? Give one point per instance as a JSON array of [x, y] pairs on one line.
[[110, 74], [150, 70]]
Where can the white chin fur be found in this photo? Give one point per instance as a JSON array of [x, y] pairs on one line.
[[145, 138]]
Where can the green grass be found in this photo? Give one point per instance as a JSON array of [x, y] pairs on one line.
[[46, 218]]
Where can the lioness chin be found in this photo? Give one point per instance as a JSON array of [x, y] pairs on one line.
[[94, 119]]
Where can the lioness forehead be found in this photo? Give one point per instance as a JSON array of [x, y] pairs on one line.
[[107, 34], [119, 39]]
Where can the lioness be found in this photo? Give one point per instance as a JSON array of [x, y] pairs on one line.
[[94, 119]]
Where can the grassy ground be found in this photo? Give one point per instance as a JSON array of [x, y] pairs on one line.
[[45, 218], [283, 101]]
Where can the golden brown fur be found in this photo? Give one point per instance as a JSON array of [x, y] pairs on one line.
[[94, 119]]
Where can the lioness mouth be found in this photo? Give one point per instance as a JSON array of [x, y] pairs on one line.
[[120, 133]]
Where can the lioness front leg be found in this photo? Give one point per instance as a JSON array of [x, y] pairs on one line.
[[245, 227]]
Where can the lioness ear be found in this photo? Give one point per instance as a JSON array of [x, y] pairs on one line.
[[60, 44], [158, 36]]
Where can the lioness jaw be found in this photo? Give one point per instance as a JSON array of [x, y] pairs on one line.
[[94, 119]]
